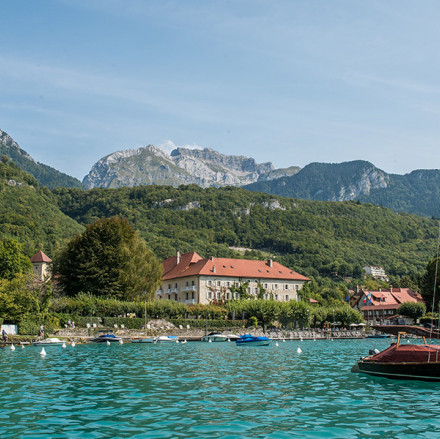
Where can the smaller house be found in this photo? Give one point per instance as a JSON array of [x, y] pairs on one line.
[[41, 266], [376, 272], [380, 307]]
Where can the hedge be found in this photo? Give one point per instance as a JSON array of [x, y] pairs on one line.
[[211, 324]]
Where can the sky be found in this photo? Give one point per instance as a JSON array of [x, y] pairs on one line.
[[286, 81]]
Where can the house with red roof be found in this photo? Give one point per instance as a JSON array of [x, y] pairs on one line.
[[41, 265], [191, 279], [379, 307]]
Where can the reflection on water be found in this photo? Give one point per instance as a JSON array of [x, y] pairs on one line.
[[209, 390]]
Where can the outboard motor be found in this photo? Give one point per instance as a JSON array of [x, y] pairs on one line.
[[373, 351]]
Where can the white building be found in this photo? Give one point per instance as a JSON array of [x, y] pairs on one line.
[[191, 279]]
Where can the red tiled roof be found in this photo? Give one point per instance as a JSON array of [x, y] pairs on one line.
[[191, 264], [396, 296], [313, 301], [40, 257]]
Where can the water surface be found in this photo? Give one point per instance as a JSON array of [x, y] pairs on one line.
[[209, 390]]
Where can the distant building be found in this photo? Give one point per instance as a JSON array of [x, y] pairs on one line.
[[376, 272], [190, 279], [41, 266], [380, 307]]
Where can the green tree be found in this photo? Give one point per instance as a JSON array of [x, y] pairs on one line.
[[108, 259], [414, 310], [12, 259], [427, 285], [266, 311]]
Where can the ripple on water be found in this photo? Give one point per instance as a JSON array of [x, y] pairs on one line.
[[211, 390]]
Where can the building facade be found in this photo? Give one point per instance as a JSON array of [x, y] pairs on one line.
[[190, 279], [376, 272], [380, 307]]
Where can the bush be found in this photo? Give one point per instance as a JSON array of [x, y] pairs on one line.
[[30, 326], [134, 323], [210, 324]]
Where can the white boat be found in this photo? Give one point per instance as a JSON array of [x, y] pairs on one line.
[[143, 340], [215, 336], [51, 341], [166, 339]]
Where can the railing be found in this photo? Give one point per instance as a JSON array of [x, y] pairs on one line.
[[189, 288], [172, 290], [190, 302]]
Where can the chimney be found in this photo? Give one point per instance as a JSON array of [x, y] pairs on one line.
[[270, 263], [213, 269], [211, 258], [178, 257]]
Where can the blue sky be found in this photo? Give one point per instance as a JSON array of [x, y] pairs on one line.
[[291, 82]]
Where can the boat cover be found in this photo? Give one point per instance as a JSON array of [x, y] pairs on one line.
[[408, 354]]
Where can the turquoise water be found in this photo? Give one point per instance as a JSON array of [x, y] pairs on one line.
[[209, 390]]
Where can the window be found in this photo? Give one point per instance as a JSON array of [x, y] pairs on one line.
[[209, 283], [192, 283], [186, 283], [286, 286], [228, 284], [187, 296], [218, 295], [275, 286], [169, 286], [175, 285], [218, 283], [209, 295], [169, 297], [296, 287], [175, 296], [287, 297], [265, 286], [228, 296], [276, 296], [192, 295]]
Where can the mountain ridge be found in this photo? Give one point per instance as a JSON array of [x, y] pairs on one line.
[[45, 175]]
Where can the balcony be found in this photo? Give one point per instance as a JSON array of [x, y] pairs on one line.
[[189, 302], [190, 288], [172, 290], [158, 292]]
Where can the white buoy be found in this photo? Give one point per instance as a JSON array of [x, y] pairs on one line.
[[120, 341], [12, 347], [209, 340], [73, 344], [284, 341], [108, 343], [301, 339], [184, 341], [63, 345], [407, 341], [229, 340], [43, 352], [299, 350], [22, 346], [314, 339], [177, 341], [276, 343]]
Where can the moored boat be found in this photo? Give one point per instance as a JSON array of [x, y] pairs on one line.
[[403, 361], [215, 337], [251, 340], [51, 341], [107, 336]]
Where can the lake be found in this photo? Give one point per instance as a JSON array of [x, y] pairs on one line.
[[209, 390]]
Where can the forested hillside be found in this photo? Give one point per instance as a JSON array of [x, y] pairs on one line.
[[310, 237], [30, 214]]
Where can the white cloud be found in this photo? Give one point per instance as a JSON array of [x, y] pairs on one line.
[[168, 146]]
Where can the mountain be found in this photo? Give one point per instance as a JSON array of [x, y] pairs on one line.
[[45, 175], [205, 168], [416, 192]]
